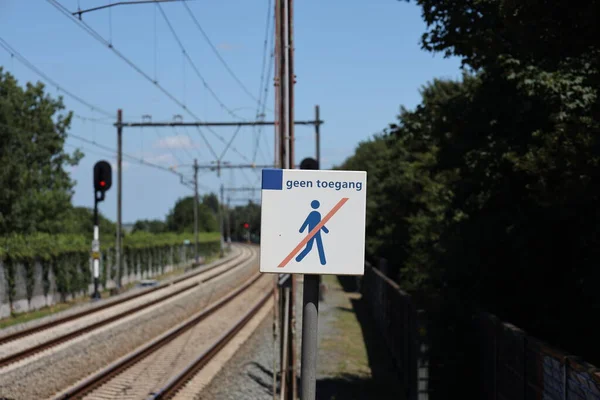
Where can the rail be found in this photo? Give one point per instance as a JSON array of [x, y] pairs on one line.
[[30, 351], [96, 380]]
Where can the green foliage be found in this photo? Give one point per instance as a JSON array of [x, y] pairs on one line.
[[212, 202], [181, 217], [485, 195], [151, 226], [69, 255], [80, 221], [239, 215], [35, 198]]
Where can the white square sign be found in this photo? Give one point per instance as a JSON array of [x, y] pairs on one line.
[[313, 222]]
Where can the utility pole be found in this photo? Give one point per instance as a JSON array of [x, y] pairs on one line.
[[284, 106], [228, 221], [318, 136], [221, 234], [118, 247], [196, 257]]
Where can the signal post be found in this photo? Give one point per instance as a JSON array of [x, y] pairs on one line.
[[102, 182]]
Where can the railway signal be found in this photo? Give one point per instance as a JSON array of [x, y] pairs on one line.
[[102, 183], [102, 179]]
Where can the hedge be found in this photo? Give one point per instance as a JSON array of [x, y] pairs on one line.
[[68, 257]]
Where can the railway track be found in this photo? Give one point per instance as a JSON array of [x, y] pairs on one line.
[[28, 342], [160, 368]]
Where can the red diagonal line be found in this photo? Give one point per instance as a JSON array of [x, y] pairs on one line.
[[314, 231]]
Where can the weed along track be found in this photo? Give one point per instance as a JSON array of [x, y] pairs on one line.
[[29, 342], [164, 365]]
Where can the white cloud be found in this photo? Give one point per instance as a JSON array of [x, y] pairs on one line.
[[175, 142], [161, 159], [124, 164]]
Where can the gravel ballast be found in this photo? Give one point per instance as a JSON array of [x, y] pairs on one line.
[[81, 307], [48, 374]]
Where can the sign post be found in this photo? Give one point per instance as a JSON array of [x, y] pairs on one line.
[[312, 223]]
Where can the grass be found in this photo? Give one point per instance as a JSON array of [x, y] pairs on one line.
[[30, 316], [21, 318], [345, 346], [353, 363]]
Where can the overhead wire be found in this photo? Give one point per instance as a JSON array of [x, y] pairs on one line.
[[218, 54], [101, 121], [126, 156], [230, 141], [264, 93], [86, 27], [14, 53], [193, 65]]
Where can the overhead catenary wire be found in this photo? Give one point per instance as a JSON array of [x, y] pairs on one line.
[[218, 54], [126, 156], [161, 137], [14, 53], [265, 78], [193, 65], [87, 28]]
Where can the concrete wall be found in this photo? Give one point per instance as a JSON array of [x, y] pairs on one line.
[[39, 297]]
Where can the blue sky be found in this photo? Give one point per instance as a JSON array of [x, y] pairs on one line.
[[359, 60]]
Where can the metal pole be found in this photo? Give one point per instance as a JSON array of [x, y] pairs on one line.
[[118, 247], [283, 159], [222, 235], [318, 135], [228, 221], [96, 248], [290, 80], [196, 257], [310, 320], [285, 347]]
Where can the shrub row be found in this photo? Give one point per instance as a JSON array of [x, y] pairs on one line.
[[68, 257]]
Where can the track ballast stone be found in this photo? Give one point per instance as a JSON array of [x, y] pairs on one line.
[[48, 375]]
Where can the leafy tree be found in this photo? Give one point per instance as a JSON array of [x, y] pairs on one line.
[[250, 214], [212, 202], [181, 217], [486, 194], [151, 226], [36, 189], [79, 221]]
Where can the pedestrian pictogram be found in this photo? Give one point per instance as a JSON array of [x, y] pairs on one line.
[[313, 219], [313, 222]]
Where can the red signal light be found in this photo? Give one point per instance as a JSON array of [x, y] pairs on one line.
[[246, 225], [102, 183]]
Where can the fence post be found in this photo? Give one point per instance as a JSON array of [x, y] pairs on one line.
[[423, 355]]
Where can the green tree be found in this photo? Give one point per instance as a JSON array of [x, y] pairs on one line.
[[486, 194], [36, 189], [181, 217], [151, 226], [250, 214], [79, 221], [211, 201]]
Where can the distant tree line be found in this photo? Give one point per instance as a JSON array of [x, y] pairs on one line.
[[181, 219], [486, 194], [36, 189]]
